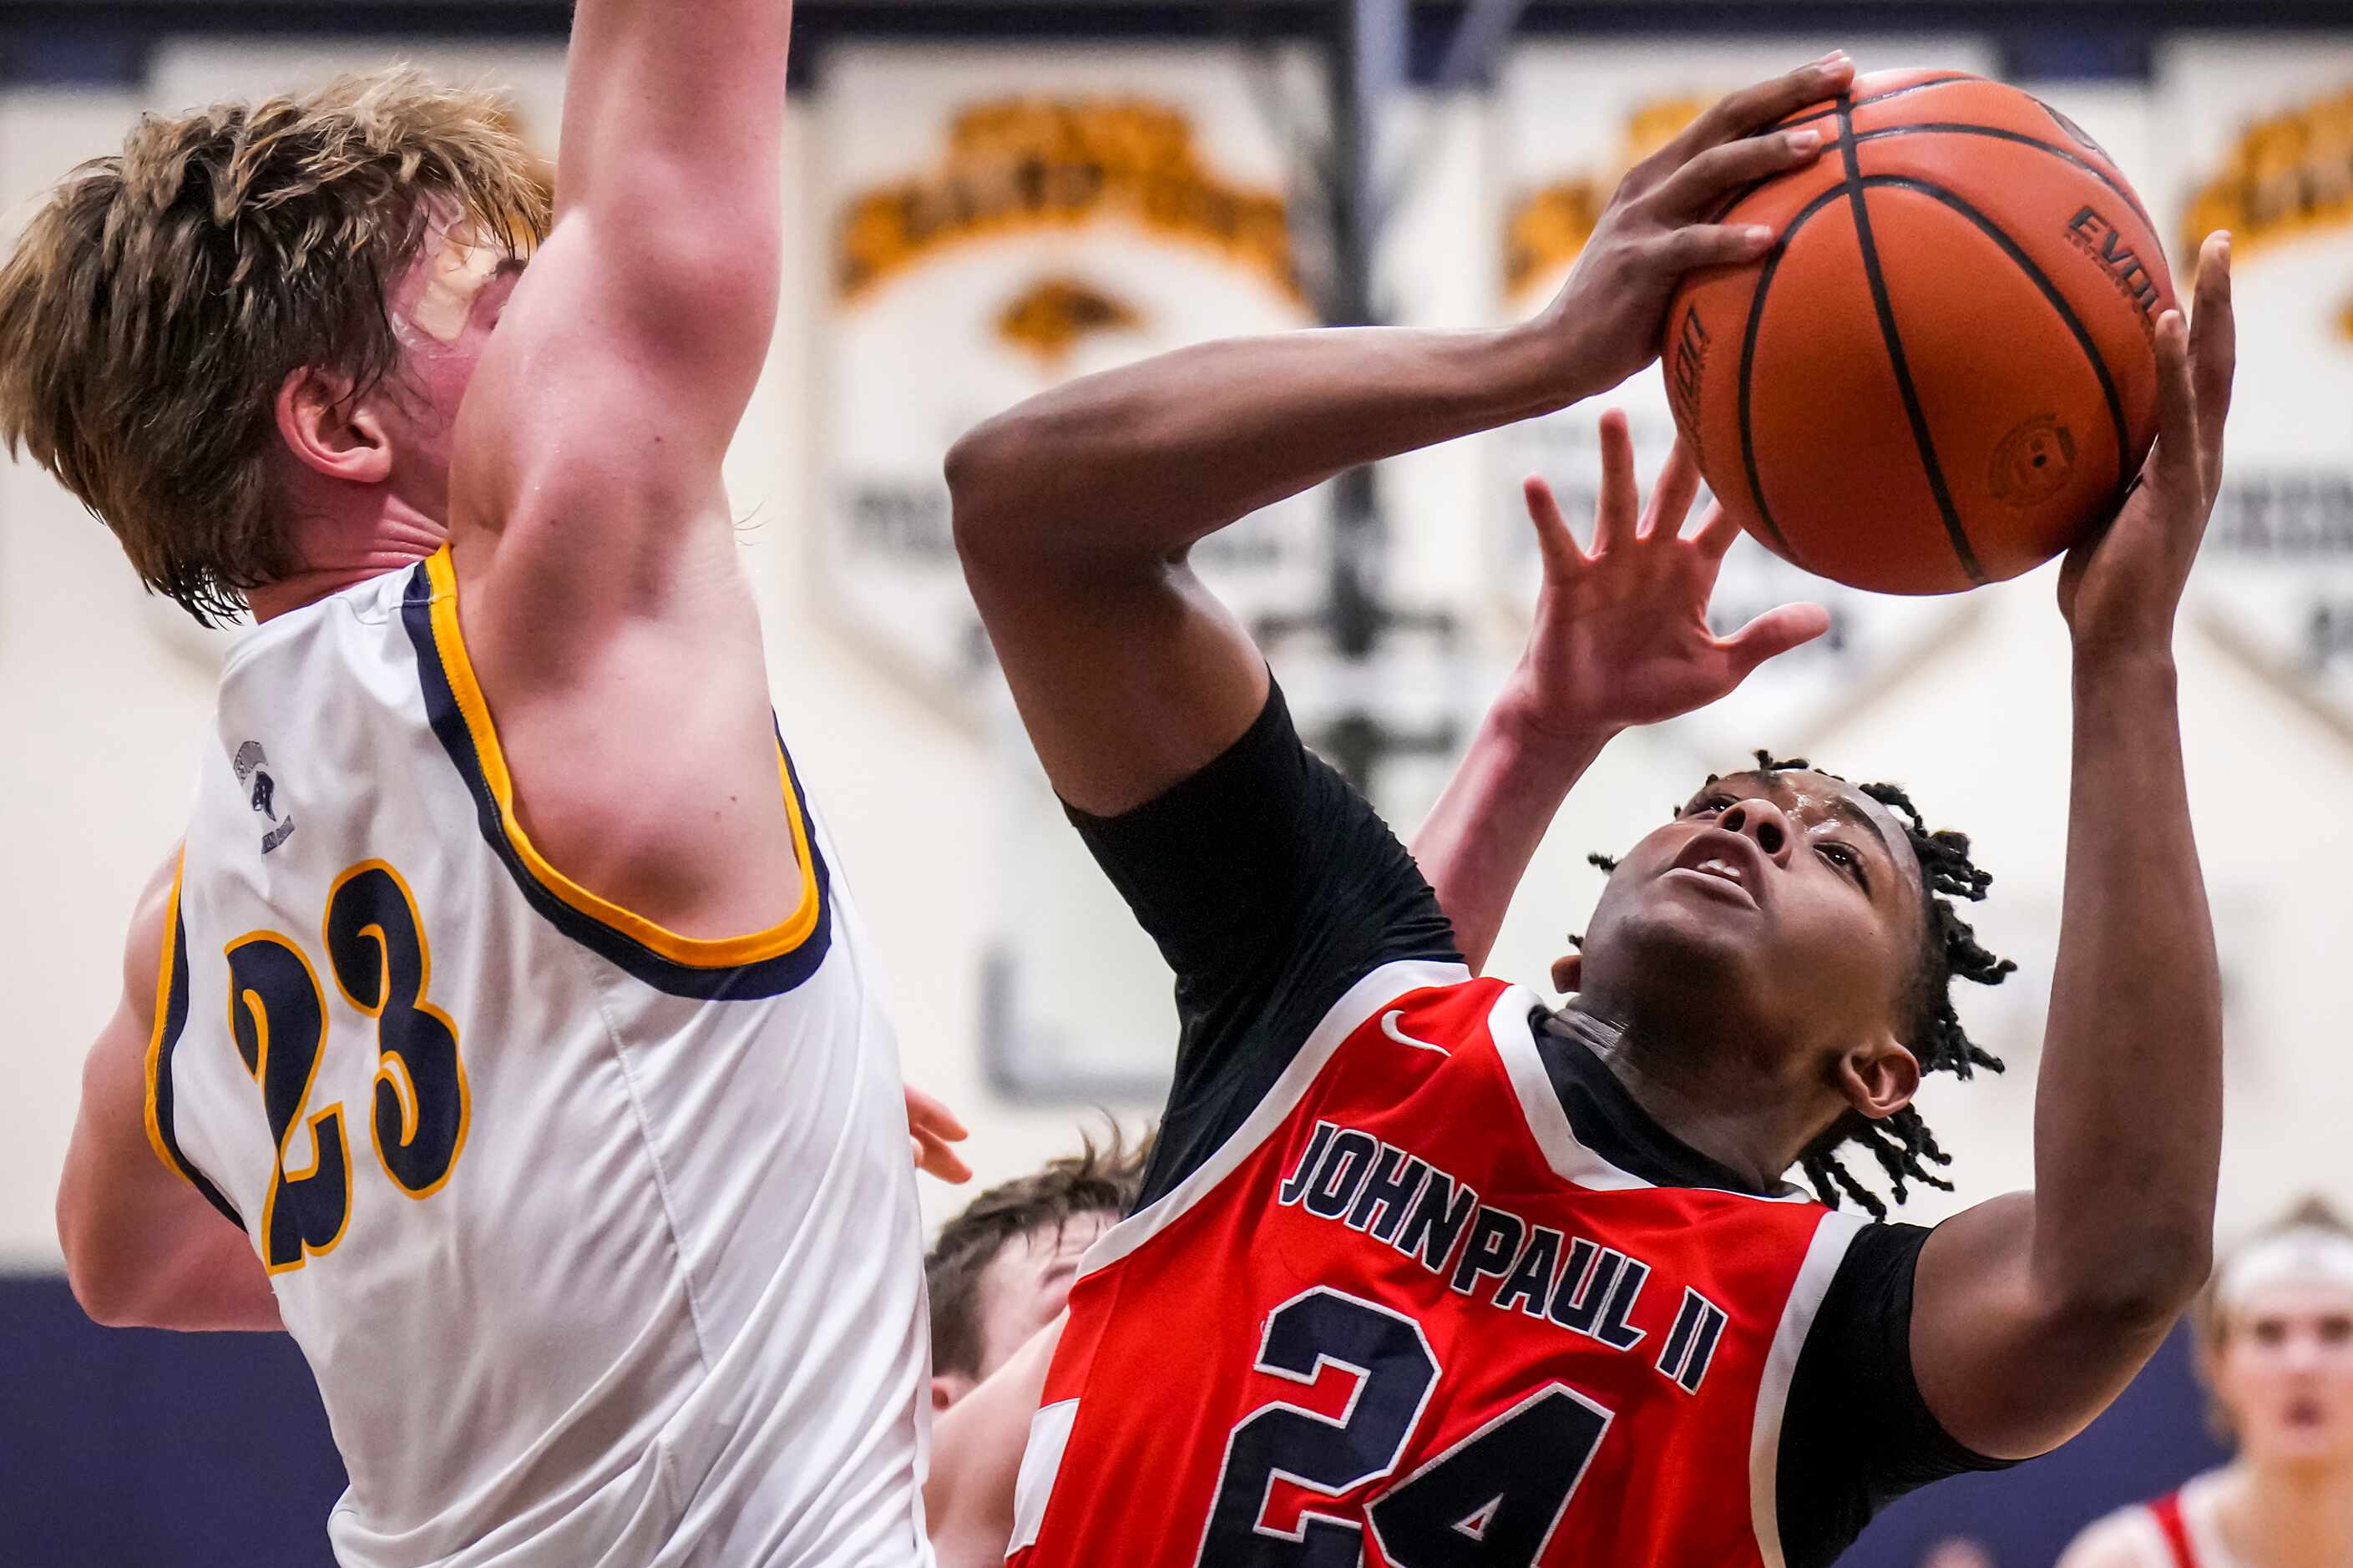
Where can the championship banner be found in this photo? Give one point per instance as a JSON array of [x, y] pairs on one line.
[[999, 221], [2263, 129], [1575, 119]]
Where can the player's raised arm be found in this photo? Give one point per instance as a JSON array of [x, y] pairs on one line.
[[2033, 1312], [591, 437], [1074, 510], [142, 1247], [1621, 638]]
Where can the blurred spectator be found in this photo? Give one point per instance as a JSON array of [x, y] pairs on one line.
[[2275, 1350]]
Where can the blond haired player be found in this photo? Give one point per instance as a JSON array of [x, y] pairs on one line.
[[504, 1000], [2275, 1349]]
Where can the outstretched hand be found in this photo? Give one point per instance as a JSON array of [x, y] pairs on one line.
[[2119, 589], [1622, 634], [931, 1128]]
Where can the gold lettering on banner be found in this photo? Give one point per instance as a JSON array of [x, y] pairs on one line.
[[1545, 230], [1020, 164], [2284, 176]]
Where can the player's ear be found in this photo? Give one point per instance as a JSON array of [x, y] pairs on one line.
[[330, 431], [1879, 1078], [1566, 971], [947, 1387]]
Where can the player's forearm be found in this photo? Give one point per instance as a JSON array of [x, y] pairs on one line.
[[141, 1248], [2128, 1111], [674, 124], [1477, 842], [1137, 464]]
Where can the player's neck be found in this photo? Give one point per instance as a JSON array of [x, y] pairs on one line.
[[1706, 1098], [339, 553], [2288, 1514]]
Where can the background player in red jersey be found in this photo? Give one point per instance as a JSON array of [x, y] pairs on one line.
[[1416, 1241]]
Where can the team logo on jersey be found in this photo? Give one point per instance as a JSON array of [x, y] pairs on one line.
[[253, 775]]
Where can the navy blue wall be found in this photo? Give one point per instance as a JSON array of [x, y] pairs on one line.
[[126, 1448], [134, 1448]]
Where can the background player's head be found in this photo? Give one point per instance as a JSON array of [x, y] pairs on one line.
[[252, 327], [2275, 1341], [1002, 1269], [1805, 925]]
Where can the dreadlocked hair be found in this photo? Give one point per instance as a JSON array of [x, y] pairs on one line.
[[1902, 1144]]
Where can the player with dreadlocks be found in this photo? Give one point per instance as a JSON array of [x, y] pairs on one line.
[[1427, 1272], [1900, 1141]]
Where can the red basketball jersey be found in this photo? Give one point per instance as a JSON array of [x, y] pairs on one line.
[[1403, 1316], [2167, 1511]]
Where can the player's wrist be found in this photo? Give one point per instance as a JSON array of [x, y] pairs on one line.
[[2134, 665], [1547, 733], [2117, 648], [1544, 366]]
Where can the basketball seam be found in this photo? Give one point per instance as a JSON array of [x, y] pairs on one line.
[[2050, 291], [1852, 104], [1748, 363], [1956, 128], [1923, 438]]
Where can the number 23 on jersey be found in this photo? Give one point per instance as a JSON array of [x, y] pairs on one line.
[[377, 950]]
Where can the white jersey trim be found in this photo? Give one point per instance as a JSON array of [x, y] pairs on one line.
[[1516, 1042], [1547, 1121], [1042, 1462], [1831, 1238], [1357, 1007]]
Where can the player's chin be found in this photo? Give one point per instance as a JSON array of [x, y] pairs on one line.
[[1687, 933]]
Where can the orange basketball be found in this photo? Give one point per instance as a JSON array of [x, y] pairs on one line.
[[1945, 371]]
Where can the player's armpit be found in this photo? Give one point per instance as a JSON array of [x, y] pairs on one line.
[[142, 1246], [2011, 1367]]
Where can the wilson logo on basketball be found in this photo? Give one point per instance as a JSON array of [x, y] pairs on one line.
[[2097, 237]]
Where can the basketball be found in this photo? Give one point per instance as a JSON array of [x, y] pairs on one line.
[[1944, 372]]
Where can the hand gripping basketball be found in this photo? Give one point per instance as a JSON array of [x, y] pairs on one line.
[[1611, 313], [2119, 589]]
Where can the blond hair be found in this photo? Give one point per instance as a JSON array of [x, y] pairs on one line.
[[158, 299]]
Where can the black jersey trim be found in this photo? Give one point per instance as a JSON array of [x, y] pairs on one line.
[[770, 975], [1609, 1121], [170, 1023]]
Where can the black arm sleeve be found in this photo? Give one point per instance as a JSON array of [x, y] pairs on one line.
[[1857, 1434], [1271, 887]]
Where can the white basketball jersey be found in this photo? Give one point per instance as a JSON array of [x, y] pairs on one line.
[[601, 1241]]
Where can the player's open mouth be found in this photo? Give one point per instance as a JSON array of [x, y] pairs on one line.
[[1726, 862]]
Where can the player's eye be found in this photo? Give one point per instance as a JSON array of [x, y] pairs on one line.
[[2336, 1331], [1843, 857], [2270, 1332], [1707, 805]]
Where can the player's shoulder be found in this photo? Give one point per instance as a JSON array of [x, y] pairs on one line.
[[2126, 1538]]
